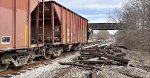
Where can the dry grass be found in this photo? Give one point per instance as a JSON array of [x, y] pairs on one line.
[[134, 39]]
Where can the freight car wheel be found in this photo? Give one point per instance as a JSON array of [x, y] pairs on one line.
[[3, 67], [47, 53]]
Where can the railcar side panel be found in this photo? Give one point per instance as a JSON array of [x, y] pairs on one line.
[[64, 25], [81, 30], [70, 27], [86, 29], [15, 18], [73, 26], [6, 24], [21, 31], [76, 28], [58, 11]]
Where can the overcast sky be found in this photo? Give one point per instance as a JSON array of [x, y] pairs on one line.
[[96, 11]]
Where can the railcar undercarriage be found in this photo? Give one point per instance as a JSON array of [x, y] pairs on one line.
[[18, 58]]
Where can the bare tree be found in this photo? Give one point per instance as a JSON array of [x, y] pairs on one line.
[[135, 17], [103, 35]]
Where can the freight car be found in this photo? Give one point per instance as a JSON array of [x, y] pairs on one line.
[[32, 28]]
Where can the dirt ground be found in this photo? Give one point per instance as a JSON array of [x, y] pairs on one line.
[[139, 59]]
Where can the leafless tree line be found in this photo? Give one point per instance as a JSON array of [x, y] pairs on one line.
[[100, 35], [136, 14], [135, 19], [103, 35]]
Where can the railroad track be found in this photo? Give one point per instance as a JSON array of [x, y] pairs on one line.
[[37, 63]]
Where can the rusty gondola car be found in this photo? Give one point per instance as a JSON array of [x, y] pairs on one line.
[[31, 28]]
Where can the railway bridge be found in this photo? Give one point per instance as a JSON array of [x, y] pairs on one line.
[[105, 26]]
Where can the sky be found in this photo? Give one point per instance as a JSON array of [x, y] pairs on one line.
[[96, 11]]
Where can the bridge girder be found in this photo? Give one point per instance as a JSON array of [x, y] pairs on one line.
[[105, 26]]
